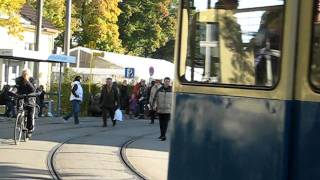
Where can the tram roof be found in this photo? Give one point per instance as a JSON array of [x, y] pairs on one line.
[[35, 56]]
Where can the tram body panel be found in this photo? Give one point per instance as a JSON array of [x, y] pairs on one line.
[[305, 160], [236, 130], [224, 137]]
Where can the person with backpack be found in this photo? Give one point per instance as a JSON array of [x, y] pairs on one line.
[[109, 102]]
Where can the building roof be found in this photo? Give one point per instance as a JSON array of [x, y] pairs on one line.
[[30, 14], [35, 56]]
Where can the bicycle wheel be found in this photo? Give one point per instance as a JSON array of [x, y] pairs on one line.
[[18, 128], [25, 130]]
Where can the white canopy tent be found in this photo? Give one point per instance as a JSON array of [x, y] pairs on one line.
[[162, 68]]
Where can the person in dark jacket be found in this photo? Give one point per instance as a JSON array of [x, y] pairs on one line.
[[40, 99], [25, 85], [124, 96], [142, 97], [109, 101], [8, 100]]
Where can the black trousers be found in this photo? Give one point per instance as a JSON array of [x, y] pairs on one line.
[[105, 112], [164, 121], [152, 115], [30, 113]]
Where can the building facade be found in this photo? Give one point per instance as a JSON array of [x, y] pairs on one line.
[[10, 69]]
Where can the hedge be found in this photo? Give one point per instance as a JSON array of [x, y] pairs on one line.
[[65, 97]]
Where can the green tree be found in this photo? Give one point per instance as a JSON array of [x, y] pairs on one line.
[[69, 75], [98, 24], [146, 25], [9, 10], [165, 52]]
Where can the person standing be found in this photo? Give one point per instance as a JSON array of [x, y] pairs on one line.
[[124, 97], [109, 101], [163, 102], [142, 98], [40, 99], [152, 93], [76, 98]]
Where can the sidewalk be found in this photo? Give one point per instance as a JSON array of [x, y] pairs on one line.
[[94, 153]]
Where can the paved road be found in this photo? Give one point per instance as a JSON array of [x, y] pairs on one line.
[[85, 151]]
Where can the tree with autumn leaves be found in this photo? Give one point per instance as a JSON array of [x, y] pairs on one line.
[[9, 13], [98, 24], [132, 26]]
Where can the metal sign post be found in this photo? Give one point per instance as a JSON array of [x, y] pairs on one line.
[[59, 89]]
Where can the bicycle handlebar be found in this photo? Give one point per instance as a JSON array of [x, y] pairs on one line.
[[21, 96]]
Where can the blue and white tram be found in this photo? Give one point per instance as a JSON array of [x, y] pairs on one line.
[[247, 91]]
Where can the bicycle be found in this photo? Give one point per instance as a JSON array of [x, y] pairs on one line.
[[20, 129]]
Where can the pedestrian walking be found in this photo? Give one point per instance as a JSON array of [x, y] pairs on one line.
[[152, 93], [109, 102], [162, 103], [76, 98]]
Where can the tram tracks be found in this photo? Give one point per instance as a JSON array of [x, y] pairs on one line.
[[122, 153], [125, 159]]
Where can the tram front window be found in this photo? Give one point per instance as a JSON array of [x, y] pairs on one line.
[[231, 41]]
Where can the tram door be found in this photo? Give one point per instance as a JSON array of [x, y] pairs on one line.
[[305, 162], [242, 90]]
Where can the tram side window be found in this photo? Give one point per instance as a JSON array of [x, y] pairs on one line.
[[232, 42], [315, 65]]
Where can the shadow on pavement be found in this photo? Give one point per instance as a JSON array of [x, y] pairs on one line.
[[14, 171], [54, 130]]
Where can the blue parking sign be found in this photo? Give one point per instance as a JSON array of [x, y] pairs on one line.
[[129, 72]]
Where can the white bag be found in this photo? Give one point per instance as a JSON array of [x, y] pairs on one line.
[[118, 115]]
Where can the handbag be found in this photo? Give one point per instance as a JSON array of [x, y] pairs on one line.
[[118, 115]]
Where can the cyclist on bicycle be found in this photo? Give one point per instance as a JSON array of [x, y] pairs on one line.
[[25, 85]]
